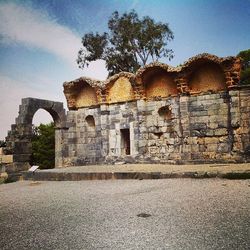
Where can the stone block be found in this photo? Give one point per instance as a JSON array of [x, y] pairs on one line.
[[184, 99], [6, 159], [212, 125], [162, 150], [21, 157], [170, 141], [212, 147], [197, 108], [202, 148], [211, 140], [222, 124], [142, 143], [71, 135], [198, 126], [221, 131], [197, 114], [143, 129], [223, 148], [22, 147], [213, 112], [72, 140], [153, 150], [196, 156], [194, 148]]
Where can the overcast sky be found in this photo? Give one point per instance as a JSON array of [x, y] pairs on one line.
[[39, 41]]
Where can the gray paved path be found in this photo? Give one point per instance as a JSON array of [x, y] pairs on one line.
[[185, 214]]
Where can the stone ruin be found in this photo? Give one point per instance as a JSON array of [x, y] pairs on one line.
[[19, 137], [193, 113]]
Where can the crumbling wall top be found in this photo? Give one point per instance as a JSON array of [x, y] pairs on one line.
[[230, 67]]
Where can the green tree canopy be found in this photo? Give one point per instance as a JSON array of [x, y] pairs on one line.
[[245, 73], [43, 146], [130, 43]]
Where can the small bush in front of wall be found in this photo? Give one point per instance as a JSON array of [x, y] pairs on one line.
[[2, 143], [43, 146]]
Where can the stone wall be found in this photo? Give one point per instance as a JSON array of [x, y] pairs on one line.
[[241, 120], [193, 113], [202, 128]]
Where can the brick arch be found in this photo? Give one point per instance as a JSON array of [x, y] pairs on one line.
[[206, 76], [86, 96], [158, 82], [19, 137], [120, 88]]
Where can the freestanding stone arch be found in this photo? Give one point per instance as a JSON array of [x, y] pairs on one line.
[[19, 137]]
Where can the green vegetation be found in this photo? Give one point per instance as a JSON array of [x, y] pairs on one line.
[[130, 43], [2, 143], [43, 146], [245, 73]]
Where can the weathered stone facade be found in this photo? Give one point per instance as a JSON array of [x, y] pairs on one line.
[[193, 113]]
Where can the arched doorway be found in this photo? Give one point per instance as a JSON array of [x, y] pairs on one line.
[[19, 138], [43, 140]]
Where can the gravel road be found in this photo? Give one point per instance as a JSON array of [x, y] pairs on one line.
[[174, 214]]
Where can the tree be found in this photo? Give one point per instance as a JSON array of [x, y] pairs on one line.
[[2, 143], [130, 43], [43, 146], [245, 73]]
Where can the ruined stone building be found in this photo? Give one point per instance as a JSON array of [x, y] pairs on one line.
[[196, 112]]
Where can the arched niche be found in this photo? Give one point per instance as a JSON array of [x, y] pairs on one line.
[[90, 120], [86, 96], [165, 112], [207, 77], [120, 91], [159, 83]]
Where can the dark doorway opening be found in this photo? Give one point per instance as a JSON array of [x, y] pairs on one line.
[[125, 142]]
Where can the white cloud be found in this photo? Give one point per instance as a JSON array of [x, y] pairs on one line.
[[34, 29], [96, 70], [30, 27]]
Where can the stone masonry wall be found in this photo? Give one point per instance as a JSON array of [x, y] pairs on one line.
[[202, 128], [196, 112], [241, 120]]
